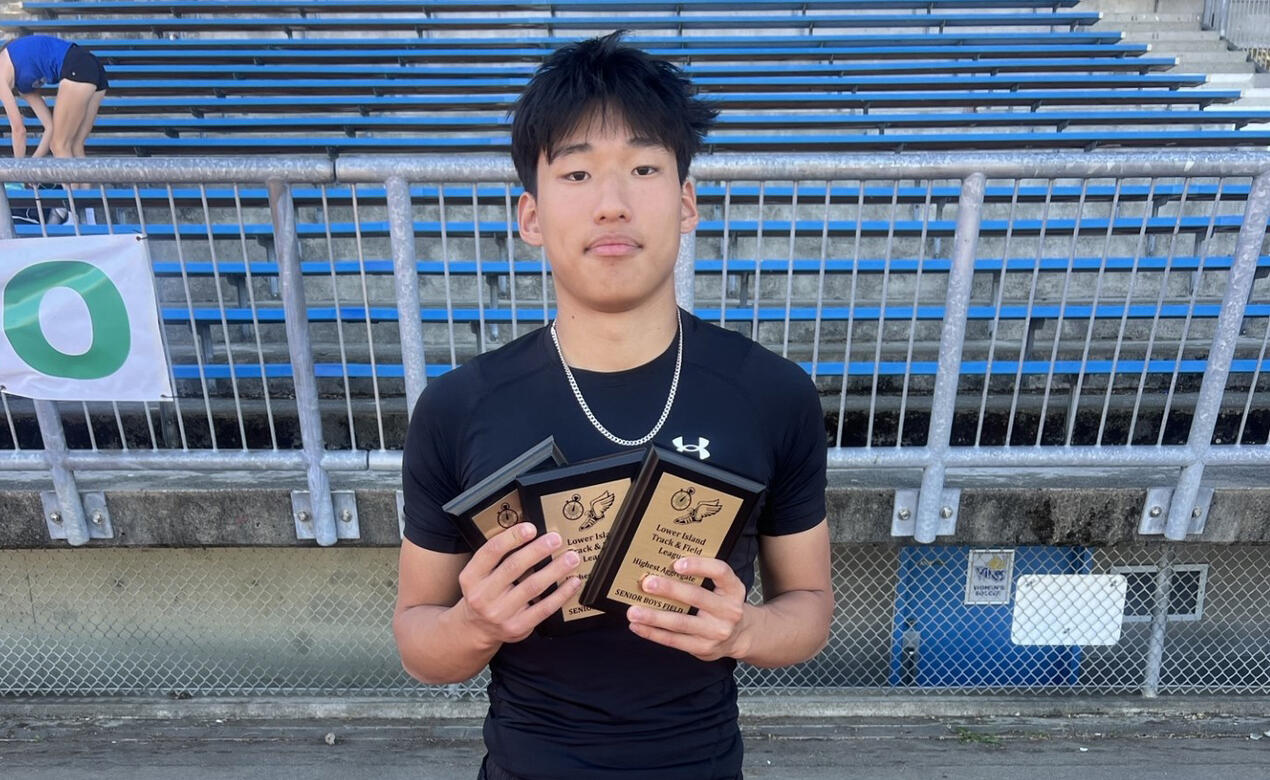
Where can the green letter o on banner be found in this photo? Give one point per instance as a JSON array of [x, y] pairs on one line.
[[112, 338]]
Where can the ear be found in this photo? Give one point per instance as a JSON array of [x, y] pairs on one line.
[[527, 218], [688, 214]]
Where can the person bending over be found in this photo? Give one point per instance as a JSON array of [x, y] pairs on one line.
[[34, 61], [602, 138]]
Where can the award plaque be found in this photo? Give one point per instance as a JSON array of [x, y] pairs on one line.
[[579, 502], [678, 507], [493, 505]]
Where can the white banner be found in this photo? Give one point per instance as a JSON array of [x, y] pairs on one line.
[[1069, 609], [78, 320]]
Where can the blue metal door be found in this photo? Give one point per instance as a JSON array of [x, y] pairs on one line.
[[940, 641]]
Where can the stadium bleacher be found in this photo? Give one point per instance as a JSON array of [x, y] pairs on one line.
[[238, 77], [340, 77]]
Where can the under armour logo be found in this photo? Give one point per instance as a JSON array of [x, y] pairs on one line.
[[699, 448]]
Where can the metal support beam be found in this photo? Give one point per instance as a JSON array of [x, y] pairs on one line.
[[406, 283], [1159, 623], [70, 505], [944, 401], [282, 210], [1238, 287]]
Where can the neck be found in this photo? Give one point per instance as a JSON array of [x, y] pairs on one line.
[[603, 341]]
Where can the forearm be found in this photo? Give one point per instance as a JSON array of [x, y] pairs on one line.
[[19, 144], [437, 646], [788, 629]]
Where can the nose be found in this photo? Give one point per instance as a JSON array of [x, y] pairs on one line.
[[612, 203]]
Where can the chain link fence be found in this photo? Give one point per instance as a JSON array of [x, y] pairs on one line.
[[220, 622]]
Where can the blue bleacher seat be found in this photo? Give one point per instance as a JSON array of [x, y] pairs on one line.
[[134, 52], [474, 84], [672, 7], [937, 20], [175, 126], [661, 43], [122, 75], [745, 142], [199, 105]]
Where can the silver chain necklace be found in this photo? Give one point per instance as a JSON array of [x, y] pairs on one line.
[[670, 399]]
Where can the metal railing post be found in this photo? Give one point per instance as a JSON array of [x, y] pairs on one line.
[[951, 339], [70, 505], [1213, 386], [1159, 623], [406, 283], [282, 211]]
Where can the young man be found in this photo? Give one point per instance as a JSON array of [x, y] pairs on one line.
[[602, 139]]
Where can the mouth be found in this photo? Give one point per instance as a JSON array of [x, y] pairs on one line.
[[613, 246]]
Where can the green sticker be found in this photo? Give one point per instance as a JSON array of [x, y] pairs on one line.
[[112, 338]]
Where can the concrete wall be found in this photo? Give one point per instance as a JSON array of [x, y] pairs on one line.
[[259, 513]]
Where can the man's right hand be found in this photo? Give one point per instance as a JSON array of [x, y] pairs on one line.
[[499, 585]]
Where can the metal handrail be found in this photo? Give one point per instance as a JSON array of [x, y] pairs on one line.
[[933, 459], [1245, 23]]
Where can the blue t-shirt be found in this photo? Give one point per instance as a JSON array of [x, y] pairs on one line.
[[604, 703], [37, 60]]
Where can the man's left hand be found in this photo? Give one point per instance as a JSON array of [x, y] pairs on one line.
[[720, 627]]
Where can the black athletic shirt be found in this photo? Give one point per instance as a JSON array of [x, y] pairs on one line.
[[605, 703]]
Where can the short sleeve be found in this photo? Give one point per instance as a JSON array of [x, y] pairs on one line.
[[796, 496], [429, 474]]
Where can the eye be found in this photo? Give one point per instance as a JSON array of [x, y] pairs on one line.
[[576, 176], [645, 170]]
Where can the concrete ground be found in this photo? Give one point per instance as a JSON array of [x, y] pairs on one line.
[[830, 738]]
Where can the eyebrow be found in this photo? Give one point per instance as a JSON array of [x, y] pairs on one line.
[[584, 146]]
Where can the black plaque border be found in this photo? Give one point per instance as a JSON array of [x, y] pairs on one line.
[[484, 493], [605, 468], [657, 462]]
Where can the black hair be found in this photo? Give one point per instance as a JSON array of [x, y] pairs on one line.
[[604, 79]]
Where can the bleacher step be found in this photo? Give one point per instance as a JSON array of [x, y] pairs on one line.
[[1198, 63], [1174, 6], [1180, 47], [1238, 68], [1119, 6], [1240, 81], [1258, 97], [1140, 7], [1151, 32], [1211, 55], [1172, 20]]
